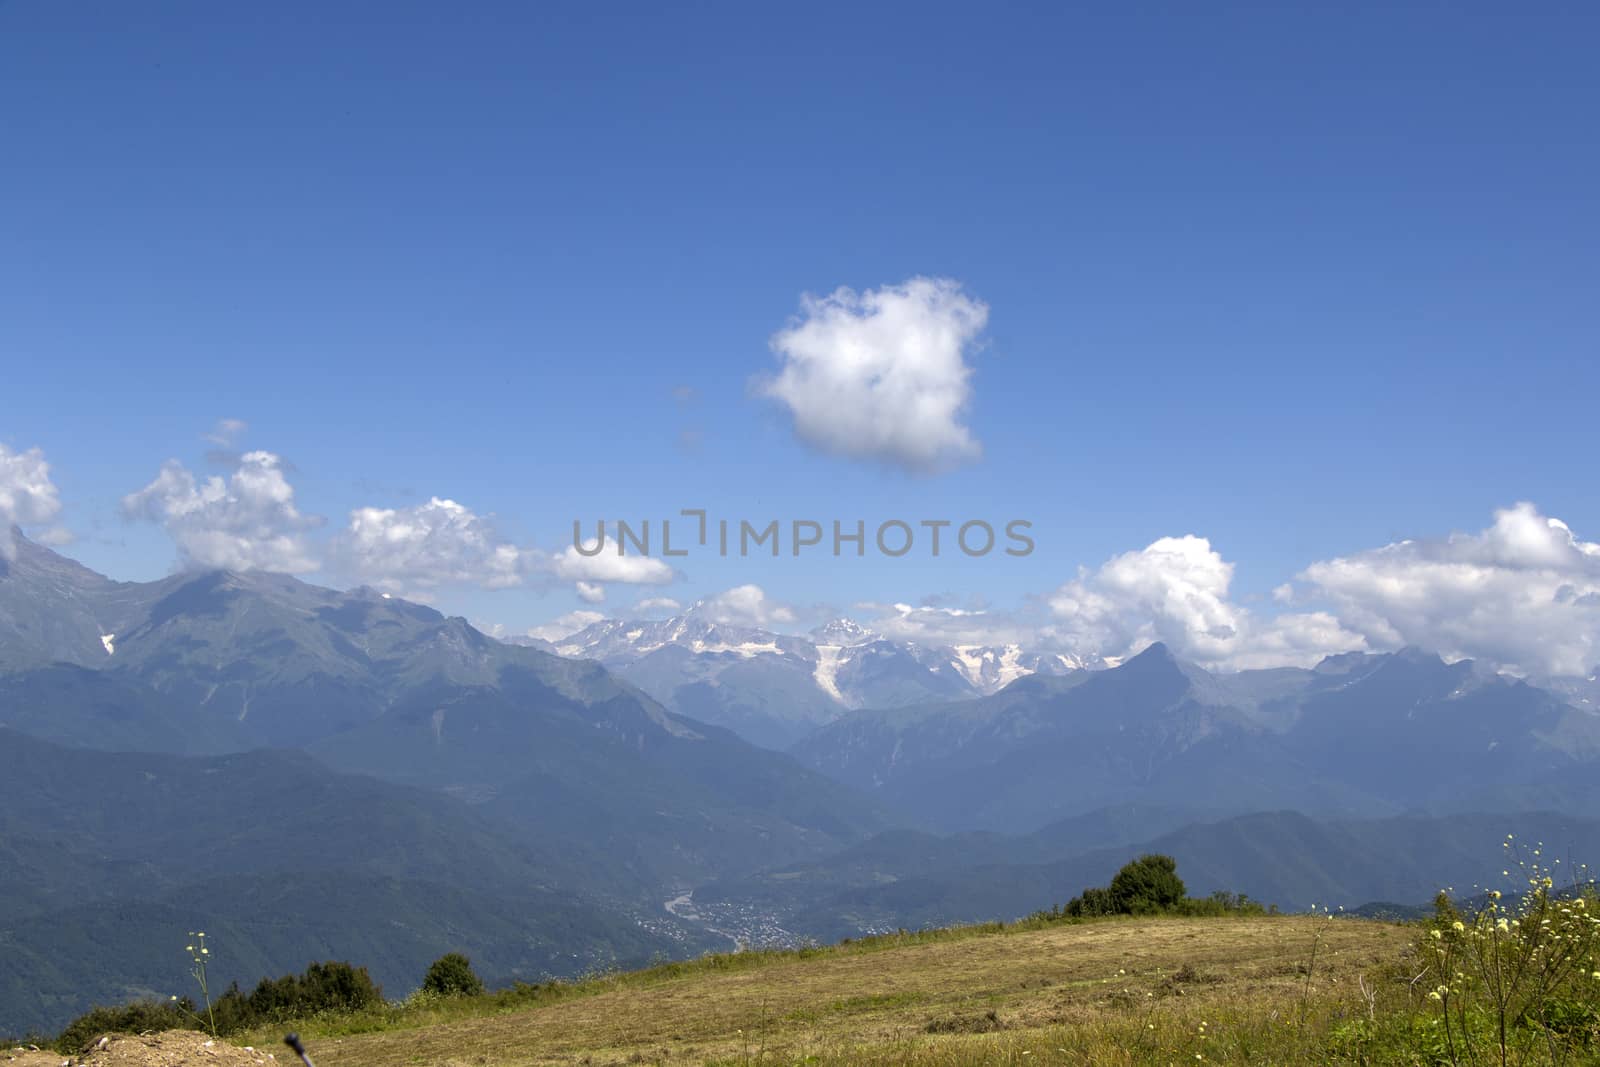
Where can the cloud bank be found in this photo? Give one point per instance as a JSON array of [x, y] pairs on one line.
[[1523, 594]]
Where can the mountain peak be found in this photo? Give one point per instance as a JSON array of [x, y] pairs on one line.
[[1155, 653], [1158, 663], [843, 632]]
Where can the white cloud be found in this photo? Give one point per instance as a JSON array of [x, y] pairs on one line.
[[608, 566], [1176, 591], [590, 592], [1523, 595], [1173, 591], [27, 495], [418, 549], [882, 374], [226, 432], [743, 605], [937, 625], [565, 625], [658, 605], [55, 536], [247, 522]]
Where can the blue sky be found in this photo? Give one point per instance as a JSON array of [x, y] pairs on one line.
[[1301, 283]]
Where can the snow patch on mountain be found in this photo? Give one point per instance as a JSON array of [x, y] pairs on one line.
[[827, 671], [846, 633]]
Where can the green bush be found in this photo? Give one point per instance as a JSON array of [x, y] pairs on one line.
[[1150, 886], [135, 1018], [451, 975], [323, 987], [1147, 885], [1220, 903], [331, 986]]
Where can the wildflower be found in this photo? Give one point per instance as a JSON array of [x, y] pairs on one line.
[[1433, 994], [1494, 894], [1457, 926], [1436, 934]]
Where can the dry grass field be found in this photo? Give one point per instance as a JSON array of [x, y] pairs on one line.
[[1261, 990]]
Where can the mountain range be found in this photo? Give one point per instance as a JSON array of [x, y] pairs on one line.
[[1356, 736], [313, 773], [773, 689]]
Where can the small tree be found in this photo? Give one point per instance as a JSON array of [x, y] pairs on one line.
[[1148, 884], [451, 975]]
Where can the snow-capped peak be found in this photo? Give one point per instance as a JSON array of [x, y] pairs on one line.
[[844, 633]]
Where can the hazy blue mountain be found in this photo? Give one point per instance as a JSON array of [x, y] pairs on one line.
[[55, 610], [905, 879], [236, 660], [107, 859], [1358, 736], [217, 662]]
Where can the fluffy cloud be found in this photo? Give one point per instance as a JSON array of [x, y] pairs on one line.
[[418, 549], [1176, 591], [1523, 595], [247, 522], [27, 495], [572, 565], [882, 374], [744, 605], [1173, 591], [590, 592], [657, 605]]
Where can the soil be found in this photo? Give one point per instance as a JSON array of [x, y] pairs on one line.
[[175, 1048]]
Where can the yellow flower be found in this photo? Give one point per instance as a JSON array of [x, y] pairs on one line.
[[1457, 926]]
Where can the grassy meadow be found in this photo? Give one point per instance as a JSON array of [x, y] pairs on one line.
[[1114, 991]]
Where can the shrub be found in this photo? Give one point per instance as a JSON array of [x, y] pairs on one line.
[[135, 1018], [324, 987], [331, 986], [1148, 884], [451, 975]]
